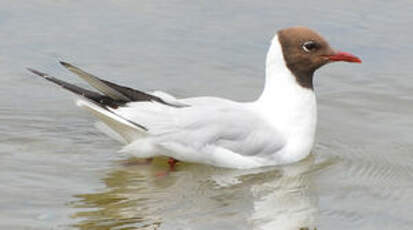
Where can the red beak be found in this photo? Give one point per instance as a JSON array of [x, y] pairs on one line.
[[343, 56]]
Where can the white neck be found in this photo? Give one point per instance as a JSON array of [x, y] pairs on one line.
[[279, 81], [288, 106]]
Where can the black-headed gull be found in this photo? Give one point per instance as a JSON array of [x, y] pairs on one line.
[[277, 128]]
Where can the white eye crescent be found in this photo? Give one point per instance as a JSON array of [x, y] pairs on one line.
[[309, 46]]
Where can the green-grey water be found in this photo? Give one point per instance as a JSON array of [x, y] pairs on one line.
[[58, 172]]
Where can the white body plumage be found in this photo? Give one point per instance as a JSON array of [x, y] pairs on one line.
[[277, 128]]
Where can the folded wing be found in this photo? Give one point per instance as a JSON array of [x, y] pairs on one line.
[[207, 124], [203, 129]]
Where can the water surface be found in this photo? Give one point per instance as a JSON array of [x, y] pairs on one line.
[[58, 172]]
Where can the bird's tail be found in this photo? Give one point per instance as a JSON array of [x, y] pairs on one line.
[[102, 107], [126, 129]]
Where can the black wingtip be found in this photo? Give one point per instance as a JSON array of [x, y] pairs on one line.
[[41, 74], [65, 64]]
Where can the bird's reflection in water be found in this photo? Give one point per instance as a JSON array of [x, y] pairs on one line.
[[202, 197]]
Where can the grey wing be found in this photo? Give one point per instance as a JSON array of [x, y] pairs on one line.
[[224, 124], [207, 121]]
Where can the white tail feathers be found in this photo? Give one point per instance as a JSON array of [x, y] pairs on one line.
[[122, 127]]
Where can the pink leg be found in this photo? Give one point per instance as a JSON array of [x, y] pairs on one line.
[[172, 162]]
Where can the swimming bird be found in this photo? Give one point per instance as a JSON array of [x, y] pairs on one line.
[[277, 128]]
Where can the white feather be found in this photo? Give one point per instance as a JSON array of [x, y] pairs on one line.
[[128, 131]]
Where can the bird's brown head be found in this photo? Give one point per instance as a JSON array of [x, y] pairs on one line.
[[305, 51]]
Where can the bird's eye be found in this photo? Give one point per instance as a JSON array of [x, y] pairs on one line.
[[309, 46]]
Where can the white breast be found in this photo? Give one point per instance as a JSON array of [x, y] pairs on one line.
[[287, 106]]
